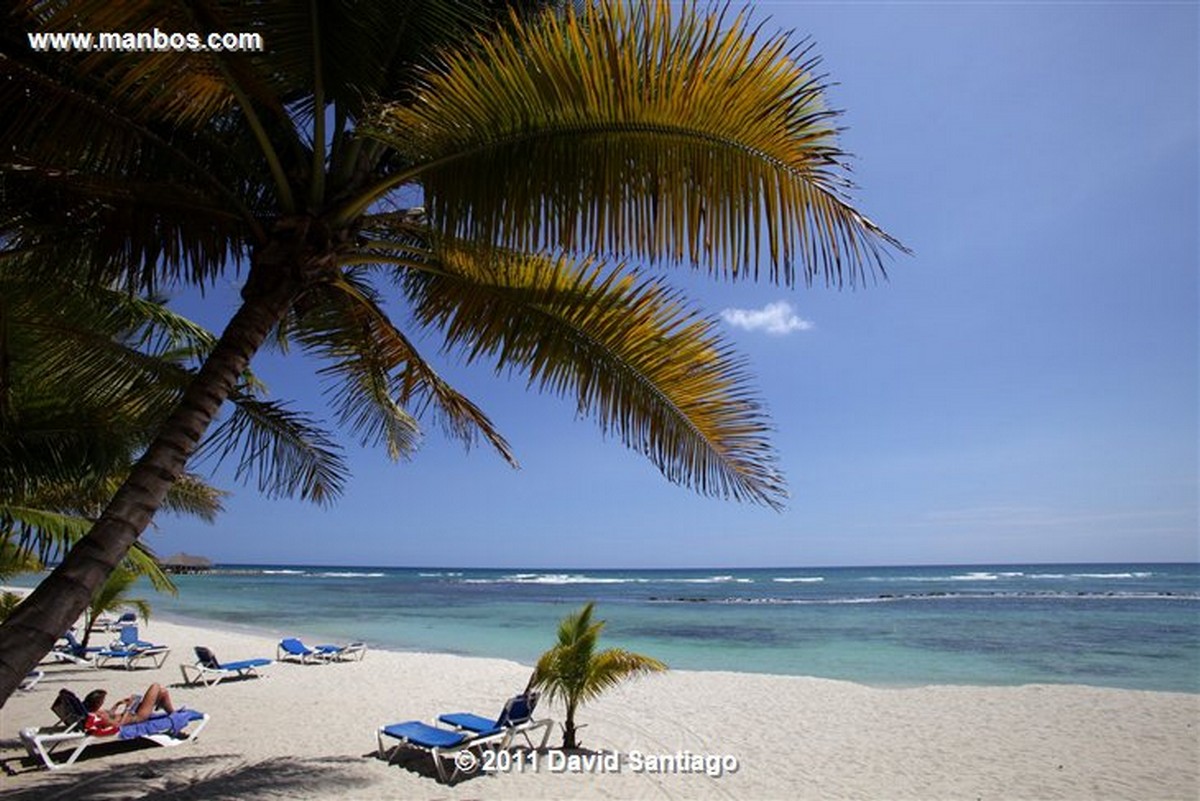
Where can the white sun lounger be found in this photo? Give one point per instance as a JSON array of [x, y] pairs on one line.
[[165, 730]]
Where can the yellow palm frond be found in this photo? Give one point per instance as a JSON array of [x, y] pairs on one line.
[[381, 375], [677, 137], [631, 353]]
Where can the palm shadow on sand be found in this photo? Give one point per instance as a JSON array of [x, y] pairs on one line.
[[216, 776]]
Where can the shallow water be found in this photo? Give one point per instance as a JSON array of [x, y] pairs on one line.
[[1133, 626]]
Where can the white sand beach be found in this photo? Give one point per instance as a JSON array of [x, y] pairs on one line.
[[309, 732]]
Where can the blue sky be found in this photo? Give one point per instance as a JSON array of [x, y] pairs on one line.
[[1022, 389]]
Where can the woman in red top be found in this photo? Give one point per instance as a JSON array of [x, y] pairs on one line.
[[101, 721]]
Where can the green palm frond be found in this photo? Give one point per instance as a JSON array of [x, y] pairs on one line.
[[677, 137], [377, 375], [142, 561], [360, 387], [15, 560], [113, 595], [630, 352], [45, 535], [613, 666], [40, 532], [286, 452], [192, 495]]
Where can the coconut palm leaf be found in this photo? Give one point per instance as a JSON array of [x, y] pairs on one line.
[[41, 532], [41, 536], [376, 371], [113, 596], [674, 137], [14, 561], [284, 451], [631, 353], [118, 364]]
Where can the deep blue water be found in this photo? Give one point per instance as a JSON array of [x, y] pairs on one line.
[[1133, 626]]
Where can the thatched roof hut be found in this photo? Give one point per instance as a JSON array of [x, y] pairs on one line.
[[186, 563]]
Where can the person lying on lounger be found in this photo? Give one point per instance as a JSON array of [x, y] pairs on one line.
[[135, 708]]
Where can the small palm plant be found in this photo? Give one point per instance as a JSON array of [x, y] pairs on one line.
[[112, 596], [573, 672]]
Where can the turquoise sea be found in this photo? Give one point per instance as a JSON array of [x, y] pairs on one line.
[[1134, 626]]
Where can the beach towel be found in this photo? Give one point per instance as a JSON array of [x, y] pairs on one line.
[[173, 723]]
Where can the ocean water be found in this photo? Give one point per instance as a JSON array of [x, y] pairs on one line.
[[1134, 626]]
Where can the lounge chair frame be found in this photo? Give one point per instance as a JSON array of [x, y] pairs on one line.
[[130, 657], [291, 649], [516, 719], [439, 743], [342, 653], [209, 672], [41, 743], [74, 652]]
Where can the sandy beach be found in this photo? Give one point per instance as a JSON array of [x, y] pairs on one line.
[[309, 732]]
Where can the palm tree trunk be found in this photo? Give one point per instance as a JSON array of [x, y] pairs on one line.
[[569, 742], [30, 632]]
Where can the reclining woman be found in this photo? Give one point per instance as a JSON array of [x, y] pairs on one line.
[[135, 708]]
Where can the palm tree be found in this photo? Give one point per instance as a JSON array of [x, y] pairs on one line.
[[485, 166], [572, 671]]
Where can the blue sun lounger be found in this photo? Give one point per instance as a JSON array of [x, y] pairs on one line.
[[74, 652], [516, 718], [294, 650], [343, 653], [208, 671], [130, 639], [115, 624], [129, 658], [291, 649], [128, 651], [439, 743]]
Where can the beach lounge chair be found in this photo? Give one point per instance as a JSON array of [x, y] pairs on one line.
[[114, 624], [31, 679], [439, 743], [129, 651], [342, 653], [129, 639], [208, 671], [163, 729], [292, 650], [130, 658], [74, 652], [515, 719]]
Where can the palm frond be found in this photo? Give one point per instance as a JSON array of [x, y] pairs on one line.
[[377, 380], [613, 666], [142, 561], [15, 560], [47, 535], [285, 451], [631, 353], [636, 130], [41, 532], [192, 495], [366, 349]]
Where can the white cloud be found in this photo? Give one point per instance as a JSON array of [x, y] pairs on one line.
[[776, 319]]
